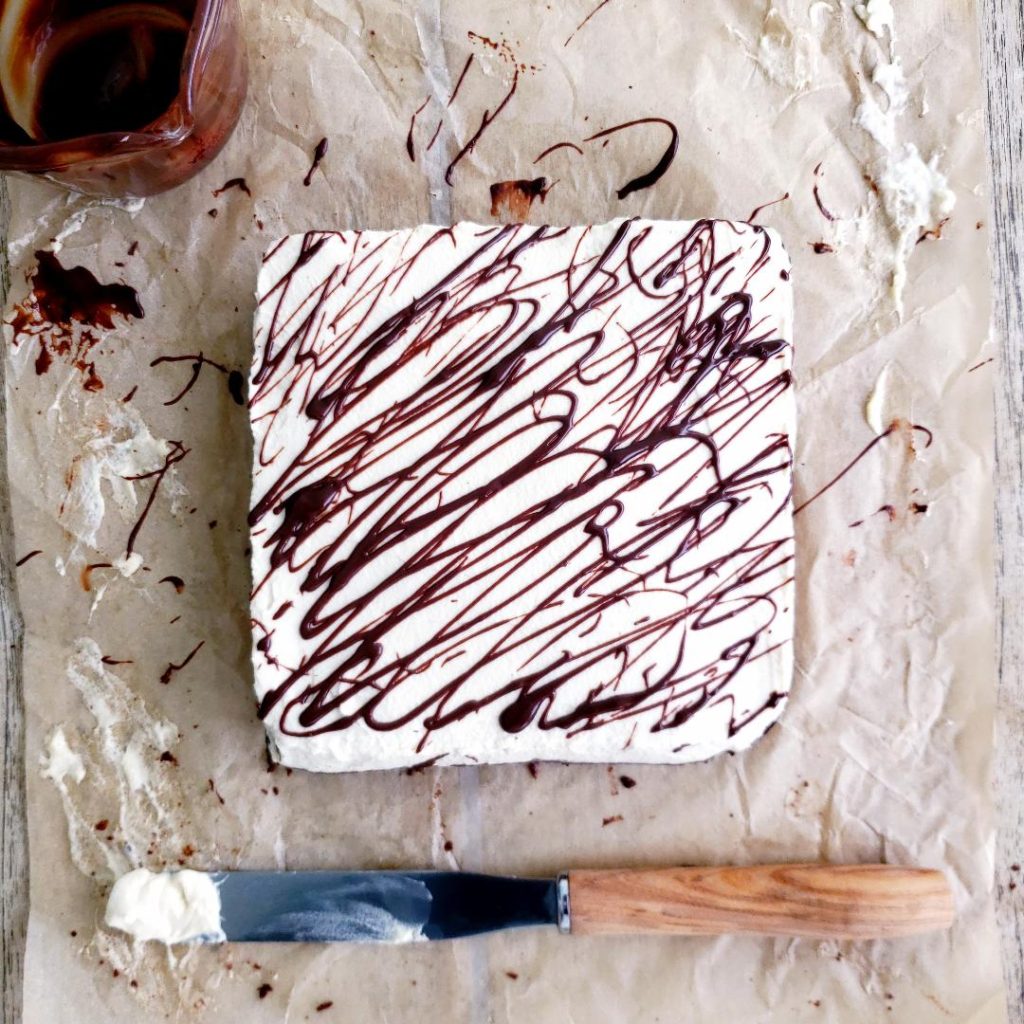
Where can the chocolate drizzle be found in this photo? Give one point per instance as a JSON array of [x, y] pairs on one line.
[[652, 176], [572, 34], [533, 489], [235, 380]]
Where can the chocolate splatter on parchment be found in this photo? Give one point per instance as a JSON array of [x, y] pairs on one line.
[[641, 181], [240, 183], [172, 668], [68, 311], [511, 200], [582, 24], [235, 380], [318, 154], [764, 206]]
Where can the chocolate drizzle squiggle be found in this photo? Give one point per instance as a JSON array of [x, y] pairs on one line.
[[540, 475]]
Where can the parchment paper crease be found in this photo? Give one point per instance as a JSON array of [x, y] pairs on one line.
[[884, 751]]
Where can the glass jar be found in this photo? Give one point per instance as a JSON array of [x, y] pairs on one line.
[[169, 149]]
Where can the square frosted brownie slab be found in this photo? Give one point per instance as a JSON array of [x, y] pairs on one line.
[[522, 492]]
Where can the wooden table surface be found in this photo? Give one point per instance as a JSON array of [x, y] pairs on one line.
[[1002, 41], [1003, 53]]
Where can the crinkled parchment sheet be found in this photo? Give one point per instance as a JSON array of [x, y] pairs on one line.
[[885, 749]]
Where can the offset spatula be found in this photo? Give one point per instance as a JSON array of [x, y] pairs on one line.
[[814, 900]]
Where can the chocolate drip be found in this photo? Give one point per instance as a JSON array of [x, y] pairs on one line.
[[318, 154], [652, 176], [240, 183], [419, 505]]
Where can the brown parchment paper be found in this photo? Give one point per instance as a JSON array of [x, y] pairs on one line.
[[884, 751]]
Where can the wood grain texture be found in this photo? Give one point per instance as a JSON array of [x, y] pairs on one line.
[[13, 825], [870, 901], [1003, 53]]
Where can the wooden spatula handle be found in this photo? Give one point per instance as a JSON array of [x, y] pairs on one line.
[[865, 901]]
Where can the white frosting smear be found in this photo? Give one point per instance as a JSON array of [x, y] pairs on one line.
[[877, 15], [169, 907], [60, 762]]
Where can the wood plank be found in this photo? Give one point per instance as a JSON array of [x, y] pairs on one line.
[[1003, 54], [13, 825]]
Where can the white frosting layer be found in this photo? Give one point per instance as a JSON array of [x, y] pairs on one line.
[[474, 601], [169, 907]]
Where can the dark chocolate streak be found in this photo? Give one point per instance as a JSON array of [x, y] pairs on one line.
[[664, 161], [703, 352], [318, 154], [485, 121]]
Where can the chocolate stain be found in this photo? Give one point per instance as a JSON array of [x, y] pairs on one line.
[[935, 233], [85, 576], [558, 145], [764, 206], [410, 147], [572, 34], [652, 176], [821, 247], [175, 581], [65, 309], [73, 294], [240, 183], [825, 212], [486, 120], [458, 84], [235, 380], [175, 455], [26, 558], [318, 154], [172, 668], [511, 200]]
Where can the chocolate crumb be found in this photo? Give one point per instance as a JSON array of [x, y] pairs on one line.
[[822, 247], [512, 974], [264, 990], [531, 767], [325, 1005], [448, 846], [626, 781], [168, 757], [611, 820], [102, 825], [212, 213], [74, 934]]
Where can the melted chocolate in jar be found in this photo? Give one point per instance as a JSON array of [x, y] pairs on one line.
[[81, 68], [703, 349]]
